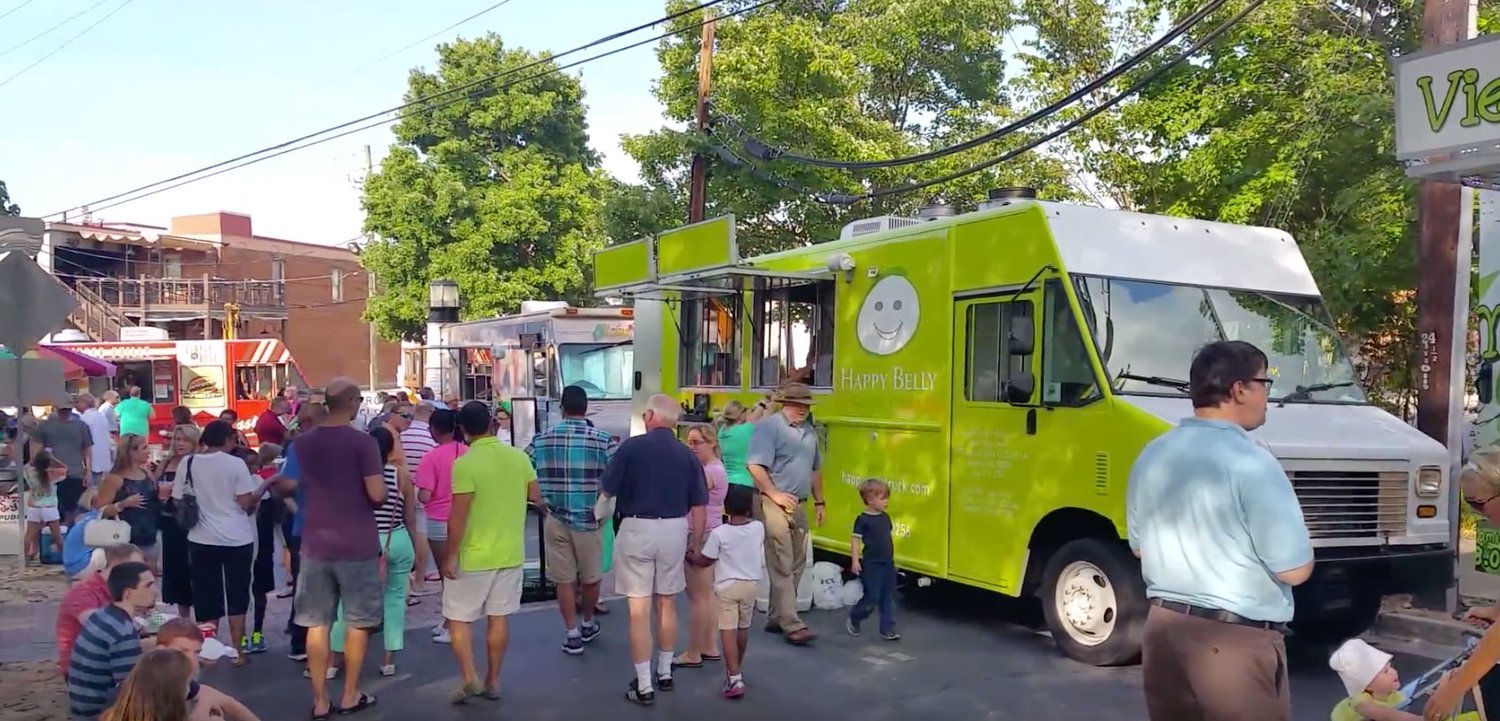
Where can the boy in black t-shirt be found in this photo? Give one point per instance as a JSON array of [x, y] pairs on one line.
[[874, 561]]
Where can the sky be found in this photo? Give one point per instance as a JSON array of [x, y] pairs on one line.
[[162, 87]]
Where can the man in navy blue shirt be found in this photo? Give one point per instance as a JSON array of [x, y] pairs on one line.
[[661, 494]]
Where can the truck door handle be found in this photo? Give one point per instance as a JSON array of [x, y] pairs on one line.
[[1031, 422], [637, 380]]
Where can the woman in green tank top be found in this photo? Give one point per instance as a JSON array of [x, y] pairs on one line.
[[734, 439]]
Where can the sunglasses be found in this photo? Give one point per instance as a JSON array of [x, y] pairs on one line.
[[1478, 506]]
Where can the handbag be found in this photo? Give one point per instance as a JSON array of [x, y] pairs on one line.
[[187, 511], [101, 532]]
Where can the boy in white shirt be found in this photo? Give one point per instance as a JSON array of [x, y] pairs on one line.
[[736, 550]]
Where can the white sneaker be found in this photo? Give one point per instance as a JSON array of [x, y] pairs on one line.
[[333, 673], [388, 670], [442, 636]]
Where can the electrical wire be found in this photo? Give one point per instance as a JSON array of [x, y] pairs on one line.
[[765, 152], [372, 116], [48, 31], [394, 53], [1153, 76], [221, 168], [66, 43], [13, 10]]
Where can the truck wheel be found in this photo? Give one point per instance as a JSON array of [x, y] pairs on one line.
[[1339, 626], [1095, 602]]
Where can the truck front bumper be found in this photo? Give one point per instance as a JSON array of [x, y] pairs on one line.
[[1350, 579]]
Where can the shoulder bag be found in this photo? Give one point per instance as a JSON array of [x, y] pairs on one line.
[[187, 512]]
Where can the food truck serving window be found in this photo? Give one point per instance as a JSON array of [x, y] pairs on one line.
[[794, 335], [157, 380], [711, 342], [602, 370]]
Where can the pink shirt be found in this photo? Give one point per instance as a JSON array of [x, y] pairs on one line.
[[435, 474], [718, 488]]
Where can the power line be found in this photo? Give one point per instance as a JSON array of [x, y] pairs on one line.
[[482, 81], [394, 53], [851, 198], [48, 31], [66, 43], [13, 10], [765, 152]]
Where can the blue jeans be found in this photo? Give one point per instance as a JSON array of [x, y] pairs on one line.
[[879, 578]]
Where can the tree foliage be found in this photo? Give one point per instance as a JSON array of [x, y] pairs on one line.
[[841, 79], [499, 192], [6, 206]]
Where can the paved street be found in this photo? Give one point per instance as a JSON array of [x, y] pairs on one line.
[[954, 662]]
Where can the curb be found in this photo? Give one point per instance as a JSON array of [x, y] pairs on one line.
[[1424, 628]]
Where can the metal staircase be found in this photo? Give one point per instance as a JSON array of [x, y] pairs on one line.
[[96, 318]]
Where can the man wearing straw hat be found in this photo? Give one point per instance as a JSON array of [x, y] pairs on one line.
[[787, 467]]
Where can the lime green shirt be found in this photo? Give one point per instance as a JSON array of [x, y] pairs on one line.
[[1346, 710], [734, 447], [497, 476]]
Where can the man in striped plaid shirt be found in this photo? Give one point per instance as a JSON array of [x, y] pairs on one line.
[[569, 459]]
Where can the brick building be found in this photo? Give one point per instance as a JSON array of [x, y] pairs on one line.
[[202, 271]]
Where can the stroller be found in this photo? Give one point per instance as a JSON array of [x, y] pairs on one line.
[[1425, 684]]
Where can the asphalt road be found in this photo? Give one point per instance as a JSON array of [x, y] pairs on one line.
[[963, 656]]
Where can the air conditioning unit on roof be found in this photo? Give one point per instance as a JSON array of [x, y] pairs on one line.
[[868, 226]]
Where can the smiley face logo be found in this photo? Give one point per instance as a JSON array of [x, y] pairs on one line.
[[888, 319]]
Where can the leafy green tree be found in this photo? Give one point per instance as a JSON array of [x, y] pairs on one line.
[[7, 207], [499, 192], [863, 79]]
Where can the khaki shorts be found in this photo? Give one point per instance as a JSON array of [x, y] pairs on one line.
[[572, 555], [736, 605], [483, 593], [648, 556]]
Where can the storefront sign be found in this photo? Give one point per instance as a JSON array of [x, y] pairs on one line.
[[1448, 100]]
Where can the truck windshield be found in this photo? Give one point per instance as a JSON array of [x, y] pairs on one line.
[[602, 370], [1146, 334]]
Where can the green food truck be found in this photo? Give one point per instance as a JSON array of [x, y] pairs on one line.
[[1001, 369]]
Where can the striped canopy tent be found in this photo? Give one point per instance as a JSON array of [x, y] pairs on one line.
[[76, 365]]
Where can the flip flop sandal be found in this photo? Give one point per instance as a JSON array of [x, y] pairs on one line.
[[462, 694], [712, 659], [412, 601], [365, 701], [634, 694], [491, 694], [323, 716], [680, 663]]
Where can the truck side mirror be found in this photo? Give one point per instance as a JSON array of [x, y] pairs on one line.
[[1020, 387], [1484, 382], [1022, 341]]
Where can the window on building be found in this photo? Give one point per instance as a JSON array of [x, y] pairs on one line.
[[337, 281], [991, 365], [278, 268], [711, 342], [1067, 373], [794, 335], [172, 266]]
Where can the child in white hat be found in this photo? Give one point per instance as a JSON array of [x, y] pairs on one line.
[[1373, 685]]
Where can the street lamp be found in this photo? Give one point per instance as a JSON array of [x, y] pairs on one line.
[[442, 301]]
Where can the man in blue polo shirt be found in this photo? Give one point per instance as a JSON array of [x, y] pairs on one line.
[[109, 644], [661, 494], [1220, 534]]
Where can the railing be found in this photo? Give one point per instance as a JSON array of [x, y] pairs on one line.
[[152, 292], [95, 317]]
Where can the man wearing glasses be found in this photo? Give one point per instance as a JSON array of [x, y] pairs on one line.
[[1221, 539]]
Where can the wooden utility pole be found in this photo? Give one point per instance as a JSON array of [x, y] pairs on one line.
[[370, 287], [1439, 214], [698, 186]]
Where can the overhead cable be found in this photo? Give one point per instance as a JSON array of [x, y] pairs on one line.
[[313, 140], [283, 146], [765, 152]]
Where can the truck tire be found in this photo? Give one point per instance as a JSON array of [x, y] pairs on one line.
[[1338, 626], [1095, 602]]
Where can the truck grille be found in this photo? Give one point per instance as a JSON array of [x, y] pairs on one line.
[[1352, 504]]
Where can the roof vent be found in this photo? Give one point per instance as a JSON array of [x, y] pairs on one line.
[[935, 211], [880, 224], [1001, 197]]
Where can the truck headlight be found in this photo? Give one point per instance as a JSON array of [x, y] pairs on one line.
[[1429, 482]]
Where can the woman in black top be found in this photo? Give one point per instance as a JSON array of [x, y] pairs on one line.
[[128, 492], [175, 582]]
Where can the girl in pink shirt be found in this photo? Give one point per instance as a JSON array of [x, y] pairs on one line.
[[435, 489]]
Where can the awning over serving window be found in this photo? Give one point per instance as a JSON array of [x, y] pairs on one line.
[[695, 261]]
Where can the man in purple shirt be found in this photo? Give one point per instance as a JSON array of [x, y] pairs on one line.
[[340, 475]]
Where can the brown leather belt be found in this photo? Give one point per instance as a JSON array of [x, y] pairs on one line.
[[1215, 614]]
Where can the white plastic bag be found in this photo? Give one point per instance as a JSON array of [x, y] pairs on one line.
[[852, 592], [827, 585]]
